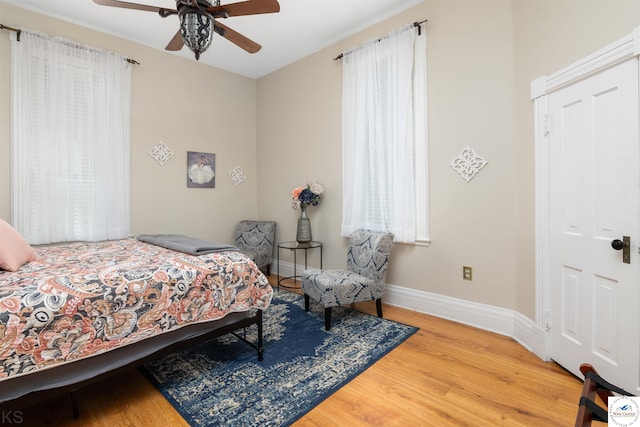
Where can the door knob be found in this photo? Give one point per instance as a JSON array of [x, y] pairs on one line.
[[625, 246]]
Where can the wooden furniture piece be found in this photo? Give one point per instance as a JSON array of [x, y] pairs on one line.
[[594, 385]]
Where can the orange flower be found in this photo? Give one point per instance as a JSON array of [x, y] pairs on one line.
[[296, 192]]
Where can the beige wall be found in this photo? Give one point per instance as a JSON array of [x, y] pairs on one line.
[[285, 129], [549, 35], [189, 106], [482, 56]]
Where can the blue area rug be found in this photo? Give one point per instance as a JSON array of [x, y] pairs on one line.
[[221, 382]]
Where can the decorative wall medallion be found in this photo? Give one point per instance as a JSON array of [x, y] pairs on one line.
[[237, 175], [468, 163], [161, 153]]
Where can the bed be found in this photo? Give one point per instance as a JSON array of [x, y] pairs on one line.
[[81, 311]]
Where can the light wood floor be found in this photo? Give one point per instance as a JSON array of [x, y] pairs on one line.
[[447, 374]]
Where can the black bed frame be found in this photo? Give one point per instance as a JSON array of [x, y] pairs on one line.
[[42, 395]]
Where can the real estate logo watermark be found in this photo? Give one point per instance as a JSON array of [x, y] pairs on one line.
[[624, 411]]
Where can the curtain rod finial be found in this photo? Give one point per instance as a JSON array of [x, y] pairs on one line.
[[417, 24], [16, 30]]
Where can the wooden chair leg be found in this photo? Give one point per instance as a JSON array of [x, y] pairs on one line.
[[379, 307], [327, 318], [306, 302]]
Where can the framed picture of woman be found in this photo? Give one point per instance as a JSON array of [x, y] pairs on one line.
[[201, 170]]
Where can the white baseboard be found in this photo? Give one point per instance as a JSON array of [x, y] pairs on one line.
[[487, 317], [286, 268]]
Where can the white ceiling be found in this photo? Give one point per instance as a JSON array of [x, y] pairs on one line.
[[300, 28]]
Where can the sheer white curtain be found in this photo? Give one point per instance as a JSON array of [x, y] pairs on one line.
[[384, 136], [70, 141]]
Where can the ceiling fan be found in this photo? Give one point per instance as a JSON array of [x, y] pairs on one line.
[[200, 18]]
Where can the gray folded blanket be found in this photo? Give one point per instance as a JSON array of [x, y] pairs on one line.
[[189, 245]]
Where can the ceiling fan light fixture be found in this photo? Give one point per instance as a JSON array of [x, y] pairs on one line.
[[197, 29], [197, 21]]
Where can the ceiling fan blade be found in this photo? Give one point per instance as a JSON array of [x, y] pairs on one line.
[[236, 38], [163, 11], [249, 7], [176, 42]]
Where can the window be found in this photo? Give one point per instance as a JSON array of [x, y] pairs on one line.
[[384, 137], [70, 141]]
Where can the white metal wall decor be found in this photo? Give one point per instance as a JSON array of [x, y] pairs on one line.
[[237, 175], [161, 153], [468, 163]]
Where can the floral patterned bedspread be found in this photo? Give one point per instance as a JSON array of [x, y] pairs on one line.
[[82, 299]]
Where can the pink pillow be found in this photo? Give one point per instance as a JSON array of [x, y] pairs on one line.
[[15, 251]]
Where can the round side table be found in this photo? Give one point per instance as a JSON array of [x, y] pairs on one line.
[[295, 247]]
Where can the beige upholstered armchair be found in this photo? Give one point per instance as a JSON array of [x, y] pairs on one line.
[[364, 280], [256, 240]]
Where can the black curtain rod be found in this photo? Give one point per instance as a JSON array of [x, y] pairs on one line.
[[18, 31], [415, 24]]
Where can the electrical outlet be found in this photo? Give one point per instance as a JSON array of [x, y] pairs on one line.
[[467, 273]]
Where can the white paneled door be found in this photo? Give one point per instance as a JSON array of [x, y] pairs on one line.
[[594, 200]]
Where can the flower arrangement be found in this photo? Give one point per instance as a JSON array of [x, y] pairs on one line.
[[309, 195]]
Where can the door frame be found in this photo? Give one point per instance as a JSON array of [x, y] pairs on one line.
[[622, 50]]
